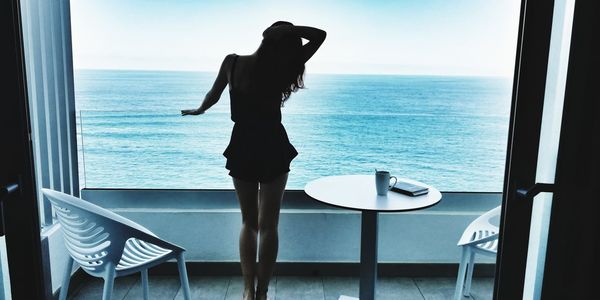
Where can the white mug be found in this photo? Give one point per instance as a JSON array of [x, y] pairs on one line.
[[382, 182]]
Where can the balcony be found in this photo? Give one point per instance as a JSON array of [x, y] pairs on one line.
[[417, 248], [142, 164]]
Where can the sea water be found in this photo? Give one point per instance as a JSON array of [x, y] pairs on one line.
[[447, 131]]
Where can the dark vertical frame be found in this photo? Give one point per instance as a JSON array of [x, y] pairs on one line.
[[573, 249], [21, 219], [529, 84]]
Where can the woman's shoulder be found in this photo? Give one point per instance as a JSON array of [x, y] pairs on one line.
[[228, 61], [231, 57], [244, 59]]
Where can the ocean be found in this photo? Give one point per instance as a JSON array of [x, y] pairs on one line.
[[446, 131]]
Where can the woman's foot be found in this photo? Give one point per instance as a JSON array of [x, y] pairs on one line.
[[249, 294]]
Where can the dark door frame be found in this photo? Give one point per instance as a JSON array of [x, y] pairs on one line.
[[21, 211], [573, 248], [529, 86], [21, 220]]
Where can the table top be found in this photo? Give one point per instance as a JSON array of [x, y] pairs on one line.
[[358, 192]]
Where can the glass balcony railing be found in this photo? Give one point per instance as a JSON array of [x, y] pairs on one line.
[[453, 151]]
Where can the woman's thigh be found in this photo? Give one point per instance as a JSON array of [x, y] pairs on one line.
[[247, 194], [271, 194]]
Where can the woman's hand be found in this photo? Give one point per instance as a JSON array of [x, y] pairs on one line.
[[314, 36], [192, 112]]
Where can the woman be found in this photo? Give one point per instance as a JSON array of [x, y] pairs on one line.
[[259, 152]]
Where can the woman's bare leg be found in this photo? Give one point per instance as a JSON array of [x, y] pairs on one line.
[[270, 196], [247, 194]]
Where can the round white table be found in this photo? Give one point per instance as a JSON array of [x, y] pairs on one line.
[[357, 192]]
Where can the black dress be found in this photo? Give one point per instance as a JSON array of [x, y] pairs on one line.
[[259, 149]]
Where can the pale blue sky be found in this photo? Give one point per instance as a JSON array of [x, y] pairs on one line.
[[443, 37]]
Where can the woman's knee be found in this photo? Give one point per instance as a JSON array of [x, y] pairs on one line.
[[268, 229], [250, 225], [268, 221]]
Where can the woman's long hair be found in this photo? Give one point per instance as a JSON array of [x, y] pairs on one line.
[[281, 63]]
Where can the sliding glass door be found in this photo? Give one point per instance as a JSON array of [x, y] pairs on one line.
[[529, 87], [548, 237], [571, 261]]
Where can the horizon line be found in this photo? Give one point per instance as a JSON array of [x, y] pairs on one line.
[[319, 73]]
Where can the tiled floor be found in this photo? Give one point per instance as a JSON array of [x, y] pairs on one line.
[[285, 287]]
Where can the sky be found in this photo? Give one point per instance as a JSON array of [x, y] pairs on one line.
[[413, 37]]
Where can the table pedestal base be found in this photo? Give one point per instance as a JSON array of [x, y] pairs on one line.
[[358, 192], [368, 255]]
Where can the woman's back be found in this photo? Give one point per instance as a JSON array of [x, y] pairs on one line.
[[252, 99]]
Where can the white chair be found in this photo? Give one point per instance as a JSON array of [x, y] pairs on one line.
[[108, 245], [481, 236]]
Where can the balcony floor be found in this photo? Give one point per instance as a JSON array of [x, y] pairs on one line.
[[284, 287]]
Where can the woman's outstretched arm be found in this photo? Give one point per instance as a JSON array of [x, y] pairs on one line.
[[315, 37], [215, 92]]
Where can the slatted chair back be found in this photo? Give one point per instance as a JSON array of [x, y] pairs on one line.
[[482, 227], [95, 237], [481, 236]]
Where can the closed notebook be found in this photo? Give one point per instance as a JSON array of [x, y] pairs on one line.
[[409, 189]]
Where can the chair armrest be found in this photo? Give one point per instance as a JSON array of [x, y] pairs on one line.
[[486, 239], [131, 229], [152, 239]]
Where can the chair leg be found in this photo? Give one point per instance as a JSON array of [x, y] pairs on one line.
[[462, 268], [109, 282], [185, 284], [64, 288], [145, 287], [467, 291]]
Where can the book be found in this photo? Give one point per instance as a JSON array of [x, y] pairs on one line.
[[409, 189]]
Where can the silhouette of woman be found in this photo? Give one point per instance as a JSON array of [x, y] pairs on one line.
[[259, 152]]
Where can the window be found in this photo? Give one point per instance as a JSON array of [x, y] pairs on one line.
[[421, 89]]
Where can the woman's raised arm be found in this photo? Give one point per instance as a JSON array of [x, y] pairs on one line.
[[315, 37]]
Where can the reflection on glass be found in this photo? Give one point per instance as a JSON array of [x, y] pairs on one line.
[[4, 276]]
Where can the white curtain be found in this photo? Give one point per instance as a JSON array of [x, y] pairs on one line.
[[49, 67]]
